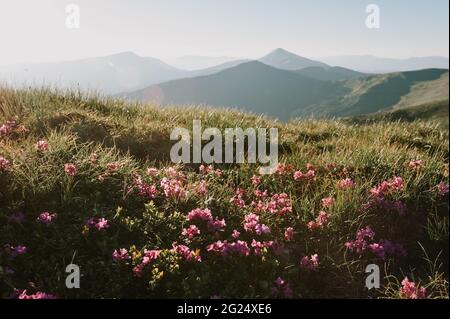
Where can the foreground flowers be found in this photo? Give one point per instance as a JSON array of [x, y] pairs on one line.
[[410, 291]]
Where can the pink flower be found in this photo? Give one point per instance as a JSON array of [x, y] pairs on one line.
[[289, 234], [322, 220], [186, 253], [238, 198], [298, 175], [415, 164], [251, 224], [173, 188], [346, 183], [226, 249], [37, 295], [282, 287], [99, 224], [280, 204], [70, 169], [256, 180], [310, 263], [152, 172], [216, 225], [120, 255], [191, 231], [442, 188], [5, 165], [7, 128], [327, 202], [235, 234], [42, 146], [112, 167], [46, 218], [410, 291], [201, 214], [205, 169]]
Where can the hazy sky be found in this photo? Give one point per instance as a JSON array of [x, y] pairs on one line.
[[35, 30]]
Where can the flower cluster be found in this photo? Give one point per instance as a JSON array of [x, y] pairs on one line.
[[365, 241], [280, 204], [410, 291], [70, 169], [46, 218], [121, 255], [346, 183], [99, 224], [5, 165], [252, 225], [321, 220], [148, 257], [38, 295], [310, 263], [226, 248]]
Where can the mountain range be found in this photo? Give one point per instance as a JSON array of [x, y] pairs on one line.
[[280, 84]]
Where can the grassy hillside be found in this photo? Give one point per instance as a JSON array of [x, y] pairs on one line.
[[75, 187], [437, 112], [381, 92]]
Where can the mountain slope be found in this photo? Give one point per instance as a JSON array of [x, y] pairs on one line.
[[330, 74], [110, 74], [282, 59], [373, 64], [436, 111], [378, 93], [252, 86]]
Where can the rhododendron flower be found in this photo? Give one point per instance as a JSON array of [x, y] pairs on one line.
[[346, 183], [280, 204], [442, 188], [205, 169], [152, 172], [5, 165], [5, 130], [99, 224], [310, 263], [201, 214], [173, 188], [112, 167], [321, 220], [216, 225], [225, 248], [298, 175], [256, 180], [360, 244], [237, 199], [235, 234], [38, 295], [289, 234], [415, 164], [42, 146], [70, 169], [251, 224], [327, 202], [186, 253], [191, 231], [46, 218], [410, 291], [121, 255], [259, 246]]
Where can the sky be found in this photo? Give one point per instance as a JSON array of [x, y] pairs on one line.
[[36, 30]]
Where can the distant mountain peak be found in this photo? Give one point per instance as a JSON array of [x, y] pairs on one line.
[[283, 59]]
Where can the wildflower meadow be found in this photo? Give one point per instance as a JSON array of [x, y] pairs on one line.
[[88, 181]]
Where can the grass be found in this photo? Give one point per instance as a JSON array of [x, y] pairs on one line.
[[136, 137]]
